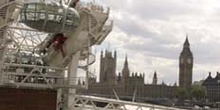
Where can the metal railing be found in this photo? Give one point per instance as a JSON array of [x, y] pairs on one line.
[[97, 103], [25, 75]]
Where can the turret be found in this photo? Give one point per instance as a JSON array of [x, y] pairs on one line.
[[217, 77], [186, 43], [125, 71], [101, 56], [107, 68], [154, 82], [115, 54], [119, 77]]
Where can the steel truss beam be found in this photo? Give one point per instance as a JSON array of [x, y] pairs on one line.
[[96, 103]]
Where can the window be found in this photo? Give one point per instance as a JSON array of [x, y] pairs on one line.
[[30, 11], [42, 16], [51, 16], [30, 16], [69, 19], [72, 18], [40, 12], [58, 18], [30, 8]]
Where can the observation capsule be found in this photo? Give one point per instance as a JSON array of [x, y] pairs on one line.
[[51, 18]]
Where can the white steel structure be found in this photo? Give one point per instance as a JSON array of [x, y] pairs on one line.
[[29, 59]]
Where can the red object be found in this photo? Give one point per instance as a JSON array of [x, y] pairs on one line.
[[58, 42]]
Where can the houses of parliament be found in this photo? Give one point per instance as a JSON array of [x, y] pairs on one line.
[[128, 84]]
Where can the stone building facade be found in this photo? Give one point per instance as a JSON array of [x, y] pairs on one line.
[[212, 85], [127, 84], [185, 66], [108, 67]]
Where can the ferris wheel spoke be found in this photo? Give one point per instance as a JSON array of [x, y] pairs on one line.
[[23, 39], [26, 38], [32, 38], [39, 36]]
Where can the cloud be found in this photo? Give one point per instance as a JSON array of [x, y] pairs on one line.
[[152, 33]]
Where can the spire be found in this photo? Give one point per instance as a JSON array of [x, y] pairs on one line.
[[210, 74], [217, 76], [155, 74], [186, 48], [119, 77], [163, 83], [125, 71], [136, 74], [115, 54], [175, 84], [101, 54], [186, 43], [126, 61], [154, 82]]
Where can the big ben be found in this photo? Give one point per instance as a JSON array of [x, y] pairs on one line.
[[185, 65]]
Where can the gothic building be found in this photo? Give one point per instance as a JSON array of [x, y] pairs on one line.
[[126, 84], [133, 83], [212, 87], [185, 65], [108, 67]]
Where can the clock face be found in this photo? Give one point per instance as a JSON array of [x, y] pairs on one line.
[[189, 60], [181, 60]]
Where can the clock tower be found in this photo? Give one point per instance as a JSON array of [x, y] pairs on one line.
[[185, 65]]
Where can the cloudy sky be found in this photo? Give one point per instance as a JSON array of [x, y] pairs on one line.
[[152, 32]]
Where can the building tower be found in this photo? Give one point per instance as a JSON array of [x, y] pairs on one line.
[[108, 67], [125, 70], [125, 76], [154, 82], [185, 65]]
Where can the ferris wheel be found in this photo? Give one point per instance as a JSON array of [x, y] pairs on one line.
[[27, 60], [45, 35]]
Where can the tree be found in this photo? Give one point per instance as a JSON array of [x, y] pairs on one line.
[[197, 92], [182, 93]]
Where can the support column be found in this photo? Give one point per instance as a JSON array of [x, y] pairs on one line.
[[2, 31], [72, 74], [1, 67], [2, 51]]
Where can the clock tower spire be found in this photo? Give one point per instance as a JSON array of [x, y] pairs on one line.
[[185, 65]]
